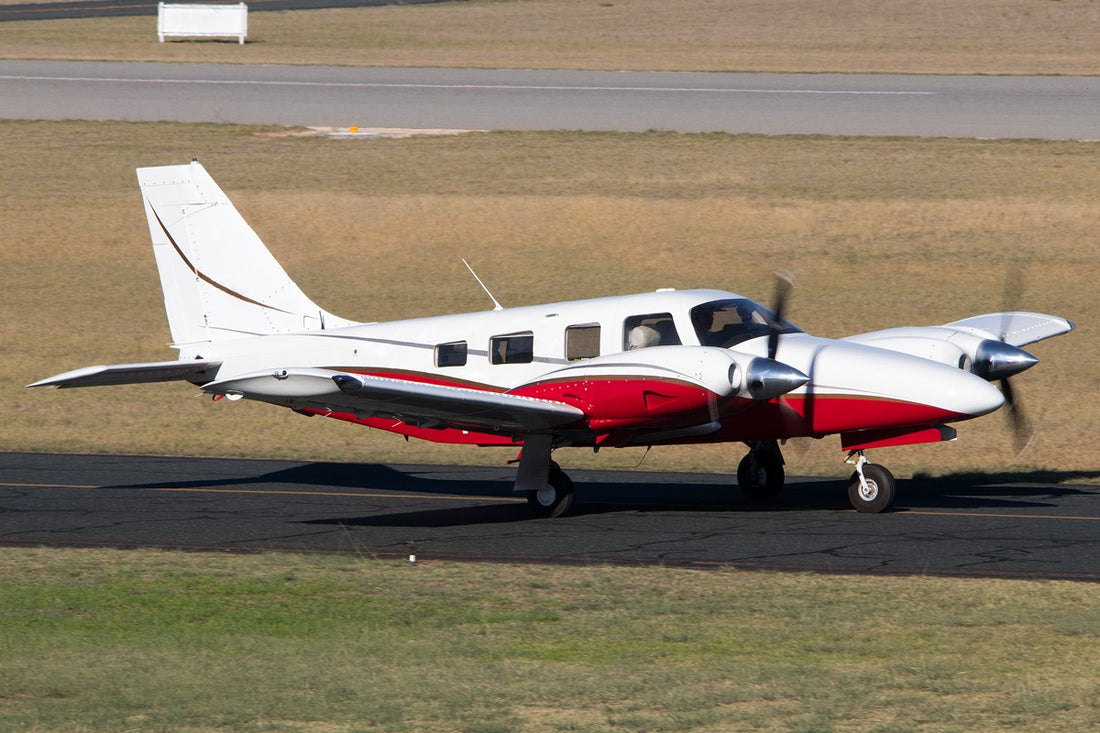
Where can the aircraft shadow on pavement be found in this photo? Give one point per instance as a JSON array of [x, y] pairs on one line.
[[990, 490], [963, 491], [971, 491], [358, 477]]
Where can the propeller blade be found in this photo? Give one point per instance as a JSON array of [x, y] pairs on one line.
[[1014, 292], [1009, 363], [1022, 433], [784, 282]]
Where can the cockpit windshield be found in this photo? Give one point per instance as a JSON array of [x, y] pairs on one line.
[[725, 323]]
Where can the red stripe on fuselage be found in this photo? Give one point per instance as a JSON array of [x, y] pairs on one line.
[[634, 403], [799, 415], [628, 406]]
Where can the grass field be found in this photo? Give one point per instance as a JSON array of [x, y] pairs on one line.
[[915, 36], [97, 640]]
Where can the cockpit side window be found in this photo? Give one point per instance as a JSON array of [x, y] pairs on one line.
[[725, 323], [652, 329]]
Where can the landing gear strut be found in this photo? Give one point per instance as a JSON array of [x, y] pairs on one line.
[[760, 473], [872, 488], [549, 491]]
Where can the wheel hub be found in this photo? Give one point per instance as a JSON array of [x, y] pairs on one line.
[[546, 496], [868, 490]]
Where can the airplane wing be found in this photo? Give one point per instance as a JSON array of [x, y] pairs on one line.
[[195, 371], [427, 405], [1018, 329]]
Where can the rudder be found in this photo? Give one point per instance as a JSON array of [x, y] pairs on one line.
[[219, 280]]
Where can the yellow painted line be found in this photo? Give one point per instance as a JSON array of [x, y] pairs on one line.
[[999, 516], [447, 497], [51, 486], [456, 497], [202, 490]]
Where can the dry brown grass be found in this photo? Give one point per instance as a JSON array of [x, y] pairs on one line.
[[878, 232], [915, 36]]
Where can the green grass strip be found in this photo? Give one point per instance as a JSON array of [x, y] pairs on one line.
[[94, 640]]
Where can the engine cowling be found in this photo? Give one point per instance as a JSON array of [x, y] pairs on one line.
[[973, 350]]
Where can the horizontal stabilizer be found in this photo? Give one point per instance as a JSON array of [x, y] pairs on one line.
[[1016, 328], [430, 405], [195, 371]]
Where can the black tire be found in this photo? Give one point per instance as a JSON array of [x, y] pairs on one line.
[[556, 499], [760, 475], [880, 492]]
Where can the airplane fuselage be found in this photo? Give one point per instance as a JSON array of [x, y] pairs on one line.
[[580, 353]]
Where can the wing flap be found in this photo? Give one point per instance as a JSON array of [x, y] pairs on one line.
[[1018, 328], [195, 371], [411, 402]]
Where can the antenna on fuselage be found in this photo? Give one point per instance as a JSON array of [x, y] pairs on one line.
[[496, 305]]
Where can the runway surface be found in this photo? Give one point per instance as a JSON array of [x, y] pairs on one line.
[[833, 104], [132, 8], [1005, 526]]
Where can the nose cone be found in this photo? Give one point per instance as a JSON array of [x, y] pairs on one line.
[[768, 378], [998, 360]]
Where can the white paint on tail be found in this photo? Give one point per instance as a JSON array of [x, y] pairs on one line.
[[220, 282]]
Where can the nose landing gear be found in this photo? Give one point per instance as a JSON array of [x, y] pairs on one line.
[[872, 488]]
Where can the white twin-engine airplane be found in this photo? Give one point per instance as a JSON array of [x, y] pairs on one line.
[[687, 366]]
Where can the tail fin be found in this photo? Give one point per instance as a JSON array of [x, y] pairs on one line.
[[219, 280]]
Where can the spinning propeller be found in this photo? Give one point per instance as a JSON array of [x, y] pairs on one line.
[[1022, 431], [769, 378], [784, 282], [997, 359]]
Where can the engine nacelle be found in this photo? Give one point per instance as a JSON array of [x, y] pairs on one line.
[[970, 349]]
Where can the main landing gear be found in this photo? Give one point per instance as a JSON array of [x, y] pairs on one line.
[[549, 491], [556, 498], [760, 473], [871, 489]]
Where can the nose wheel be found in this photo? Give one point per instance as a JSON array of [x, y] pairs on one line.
[[872, 488]]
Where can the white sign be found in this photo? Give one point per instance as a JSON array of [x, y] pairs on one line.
[[202, 20]]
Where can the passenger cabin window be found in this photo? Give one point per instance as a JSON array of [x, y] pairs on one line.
[[582, 342], [451, 355], [654, 329], [725, 323], [514, 348]]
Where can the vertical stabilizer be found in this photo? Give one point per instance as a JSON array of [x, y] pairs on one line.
[[220, 282]]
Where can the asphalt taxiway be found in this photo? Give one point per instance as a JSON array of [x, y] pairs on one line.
[[1053, 108], [973, 525]]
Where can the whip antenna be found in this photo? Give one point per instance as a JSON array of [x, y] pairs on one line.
[[496, 305]]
